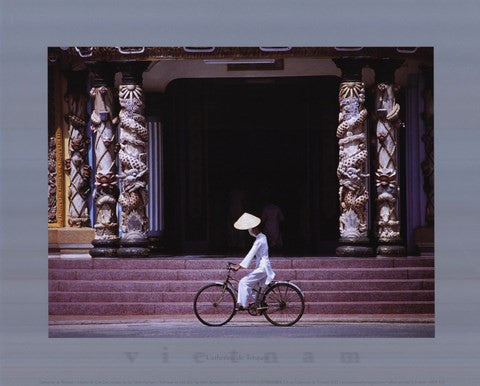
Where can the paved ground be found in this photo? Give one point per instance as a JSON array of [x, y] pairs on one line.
[[240, 326]]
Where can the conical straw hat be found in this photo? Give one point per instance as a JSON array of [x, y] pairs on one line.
[[247, 221]]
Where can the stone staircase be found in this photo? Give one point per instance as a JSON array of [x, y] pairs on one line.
[[167, 286]]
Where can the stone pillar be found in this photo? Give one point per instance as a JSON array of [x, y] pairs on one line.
[[387, 181], [424, 236], [352, 171], [133, 158], [104, 121], [77, 164]]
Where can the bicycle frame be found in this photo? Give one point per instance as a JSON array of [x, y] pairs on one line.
[[226, 283], [226, 292], [260, 292]]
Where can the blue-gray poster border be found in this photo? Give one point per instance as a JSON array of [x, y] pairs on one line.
[[29, 357]]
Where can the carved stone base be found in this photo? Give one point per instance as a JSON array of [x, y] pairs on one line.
[[355, 248], [134, 248], [104, 248], [70, 240], [391, 250]]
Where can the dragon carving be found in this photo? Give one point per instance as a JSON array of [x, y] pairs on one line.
[[77, 166], [388, 122], [133, 158], [104, 122], [353, 155]]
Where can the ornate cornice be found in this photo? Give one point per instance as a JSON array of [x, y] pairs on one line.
[[78, 56]]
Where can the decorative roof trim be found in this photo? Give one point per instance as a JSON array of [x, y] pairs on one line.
[[78, 55]]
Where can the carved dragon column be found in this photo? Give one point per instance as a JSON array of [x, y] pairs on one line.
[[77, 164], [104, 122], [387, 182], [133, 158], [352, 171]]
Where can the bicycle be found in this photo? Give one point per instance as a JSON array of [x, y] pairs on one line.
[[282, 303]]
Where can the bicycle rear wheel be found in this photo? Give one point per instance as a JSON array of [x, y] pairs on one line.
[[285, 304], [214, 305]]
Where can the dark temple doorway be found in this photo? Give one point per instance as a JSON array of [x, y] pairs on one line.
[[234, 145]]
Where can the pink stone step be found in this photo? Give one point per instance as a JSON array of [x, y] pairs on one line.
[[70, 263], [220, 263], [102, 309], [212, 274], [371, 308], [368, 296], [372, 284], [112, 274], [332, 285], [159, 286], [106, 297], [335, 296], [187, 308], [337, 262], [200, 264], [140, 264], [420, 273], [363, 273], [414, 262], [114, 286], [310, 296], [190, 286]]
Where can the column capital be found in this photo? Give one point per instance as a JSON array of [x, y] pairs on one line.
[[385, 69], [103, 73], [351, 68], [132, 72]]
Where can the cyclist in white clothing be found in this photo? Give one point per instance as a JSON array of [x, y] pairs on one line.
[[263, 273]]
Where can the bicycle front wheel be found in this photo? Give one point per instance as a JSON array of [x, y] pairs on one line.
[[285, 304], [214, 305]]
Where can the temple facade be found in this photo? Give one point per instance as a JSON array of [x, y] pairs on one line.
[[156, 151]]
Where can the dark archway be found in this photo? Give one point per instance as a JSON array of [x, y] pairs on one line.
[[234, 144]]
